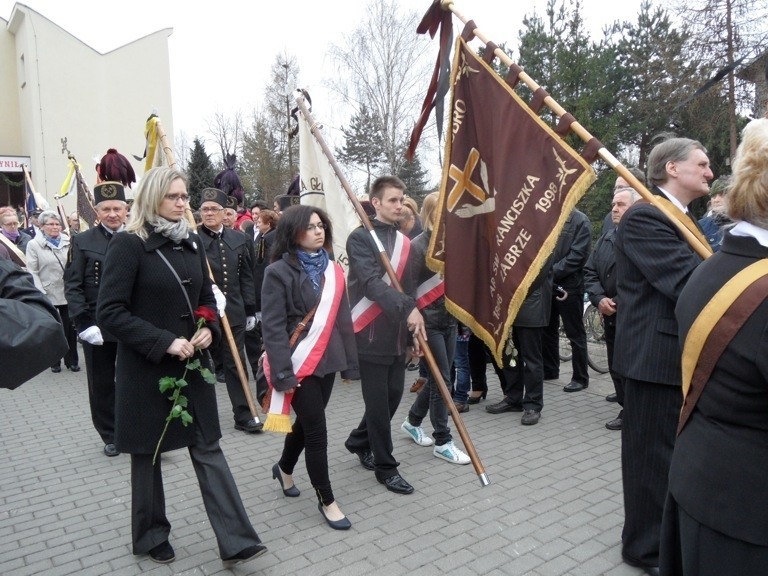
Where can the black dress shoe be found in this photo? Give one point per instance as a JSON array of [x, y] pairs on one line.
[[291, 492], [476, 399], [56, 369], [615, 424], [396, 484], [110, 450], [163, 553], [612, 397], [530, 417], [251, 426], [365, 456], [343, 524], [74, 368], [503, 406], [575, 387], [244, 555]]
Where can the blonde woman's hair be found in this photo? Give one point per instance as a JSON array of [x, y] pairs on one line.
[[748, 193], [152, 189], [429, 210]]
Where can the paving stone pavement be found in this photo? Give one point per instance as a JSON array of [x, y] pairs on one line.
[[554, 504]]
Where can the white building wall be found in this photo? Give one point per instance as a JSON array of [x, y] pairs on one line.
[[97, 101]]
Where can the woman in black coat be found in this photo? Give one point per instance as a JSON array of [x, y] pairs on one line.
[[300, 277], [155, 275]]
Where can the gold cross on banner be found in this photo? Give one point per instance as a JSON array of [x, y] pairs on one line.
[[464, 182]]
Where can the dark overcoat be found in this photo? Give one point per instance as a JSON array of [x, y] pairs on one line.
[[718, 467], [230, 259], [142, 305], [82, 276], [288, 296]]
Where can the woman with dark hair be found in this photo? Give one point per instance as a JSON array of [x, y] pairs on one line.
[[302, 278], [156, 299]]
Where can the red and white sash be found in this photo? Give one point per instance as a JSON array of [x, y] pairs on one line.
[[365, 311], [429, 291], [311, 349]]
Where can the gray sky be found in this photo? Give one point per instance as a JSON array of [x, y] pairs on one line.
[[231, 38]]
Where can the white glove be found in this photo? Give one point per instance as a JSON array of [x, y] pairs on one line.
[[258, 317], [221, 300], [250, 323], [92, 335]]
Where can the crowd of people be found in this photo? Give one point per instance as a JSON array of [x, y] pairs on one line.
[[159, 295]]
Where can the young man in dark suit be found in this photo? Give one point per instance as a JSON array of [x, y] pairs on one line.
[[382, 317], [653, 263]]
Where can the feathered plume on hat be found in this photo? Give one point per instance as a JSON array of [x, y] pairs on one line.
[[228, 180], [116, 168]]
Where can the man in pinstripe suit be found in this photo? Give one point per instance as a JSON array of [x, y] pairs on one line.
[[653, 263]]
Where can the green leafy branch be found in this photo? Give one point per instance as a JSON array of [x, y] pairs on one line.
[[180, 402]]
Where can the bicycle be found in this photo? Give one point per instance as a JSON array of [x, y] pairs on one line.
[[597, 351]]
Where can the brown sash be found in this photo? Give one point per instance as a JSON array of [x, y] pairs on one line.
[[715, 327], [686, 220]]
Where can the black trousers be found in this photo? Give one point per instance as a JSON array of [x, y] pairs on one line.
[[309, 434], [618, 381], [648, 434], [571, 310], [225, 510], [235, 390], [382, 386], [523, 384], [71, 358], [100, 369], [689, 548], [478, 364]]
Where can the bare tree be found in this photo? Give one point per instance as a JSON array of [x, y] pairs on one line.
[[227, 132], [727, 34], [182, 148], [278, 102], [383, 66]]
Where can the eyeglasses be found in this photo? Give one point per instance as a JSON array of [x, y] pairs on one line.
[[11, 224], [313, 227], [210, 210], [176, 197]]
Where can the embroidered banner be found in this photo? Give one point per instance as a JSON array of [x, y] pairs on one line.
[[508, 185]]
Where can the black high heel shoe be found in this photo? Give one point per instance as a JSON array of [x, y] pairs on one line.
[[476, 399], [343, 524], [291, 492]]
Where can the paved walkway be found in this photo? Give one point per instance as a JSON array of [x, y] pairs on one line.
[[554, 505]]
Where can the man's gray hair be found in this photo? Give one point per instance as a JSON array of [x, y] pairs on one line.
[[670, 150]]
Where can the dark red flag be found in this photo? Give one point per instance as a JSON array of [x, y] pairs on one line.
[[508, 185]]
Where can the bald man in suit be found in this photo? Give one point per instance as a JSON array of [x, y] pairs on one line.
[[653, 263]]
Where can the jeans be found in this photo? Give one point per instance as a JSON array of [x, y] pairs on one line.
[[461, 364], [442, 342]]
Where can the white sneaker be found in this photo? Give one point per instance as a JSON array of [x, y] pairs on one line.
[[448, 451], [416, 433]]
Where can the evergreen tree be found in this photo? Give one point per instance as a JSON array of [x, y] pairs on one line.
[[362, 147], [200, 172], [262, 169], [416, 179]]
